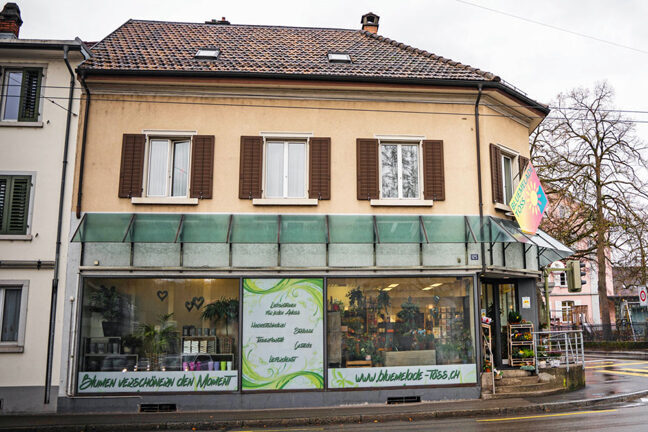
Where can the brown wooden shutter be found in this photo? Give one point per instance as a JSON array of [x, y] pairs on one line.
[[433, 172], [319, 168], [202, 166], [251, 167], [523, 164], [367, 168], [132, 166], [496, 174]]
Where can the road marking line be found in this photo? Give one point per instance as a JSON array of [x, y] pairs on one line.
[[547, 415], [635, 370], [645, 375], [616, 365], [279, 430]]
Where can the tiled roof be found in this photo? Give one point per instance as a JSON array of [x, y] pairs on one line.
[[147, 46]]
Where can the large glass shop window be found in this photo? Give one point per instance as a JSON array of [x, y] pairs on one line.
[[385, 332], [159, 335]]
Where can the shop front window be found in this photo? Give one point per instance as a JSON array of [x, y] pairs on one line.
[[388, 332], [159, 335]]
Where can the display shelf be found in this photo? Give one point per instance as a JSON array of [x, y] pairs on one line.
[[105, 354], [514, 330]]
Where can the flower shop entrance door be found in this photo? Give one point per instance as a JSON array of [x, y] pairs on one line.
[[498, 299]]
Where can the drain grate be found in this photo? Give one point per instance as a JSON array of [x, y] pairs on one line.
[[403, 399], [157, 408]]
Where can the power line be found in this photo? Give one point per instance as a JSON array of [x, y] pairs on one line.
[[551, 26], [355, 99], [297, 107]]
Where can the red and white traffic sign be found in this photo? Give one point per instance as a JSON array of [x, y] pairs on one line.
[[643, 296]]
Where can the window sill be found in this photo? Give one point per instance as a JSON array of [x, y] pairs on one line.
[[502, 207], [23, 237], [165, 200], [37, 124], [401, 203], [11, 349], [285, 201]]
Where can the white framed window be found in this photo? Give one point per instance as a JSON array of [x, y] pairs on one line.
[[167, 173], [286, 168], [400, 170], [13, 315], [21, 94], [562, 279]]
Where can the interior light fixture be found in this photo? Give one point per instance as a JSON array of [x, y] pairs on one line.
[[393, 285], [387, 289]]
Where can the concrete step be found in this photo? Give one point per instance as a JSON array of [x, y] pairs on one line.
[[515, 373], [498, 395], [517, 381], [528, 388]]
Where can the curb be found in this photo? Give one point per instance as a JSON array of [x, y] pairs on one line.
[[618, 355], [328, 420]]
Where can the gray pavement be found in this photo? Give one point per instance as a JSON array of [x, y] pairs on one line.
[[608, 381]]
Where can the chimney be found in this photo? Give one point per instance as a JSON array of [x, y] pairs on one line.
[[369, 22], [222, 21], [10, 21]]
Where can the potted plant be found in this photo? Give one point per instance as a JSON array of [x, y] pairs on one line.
[[158, 338], [356, 299], [408, 314], [514, 317], [131, 343], [226, 309], [107, 302]]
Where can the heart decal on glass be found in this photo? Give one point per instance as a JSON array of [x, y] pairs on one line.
[[162, 295], [189, 305], [198, 302]]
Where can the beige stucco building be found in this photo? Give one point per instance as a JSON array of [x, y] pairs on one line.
[[38, 120], [238, 187]]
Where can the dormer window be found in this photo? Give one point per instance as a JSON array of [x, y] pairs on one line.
[[339, 58], [208, 53]]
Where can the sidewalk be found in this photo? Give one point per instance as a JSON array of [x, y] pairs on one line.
[[308, 416]]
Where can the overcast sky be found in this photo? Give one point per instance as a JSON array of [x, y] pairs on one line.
[[539, 60]]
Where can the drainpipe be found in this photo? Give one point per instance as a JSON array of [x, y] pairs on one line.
[[479, 182], [59, 229], [83, 146]]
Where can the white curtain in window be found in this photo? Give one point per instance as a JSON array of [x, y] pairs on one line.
[[410, 171], [274, 170], [389, 170], [158, 166], [508, 180], [13, 82], [180, 168], [296, 170], [10, 315]]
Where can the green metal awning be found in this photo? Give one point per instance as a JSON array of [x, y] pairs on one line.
[[311, 229]]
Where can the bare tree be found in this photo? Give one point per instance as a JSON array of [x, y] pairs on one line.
[[632, 256], [588, 156]]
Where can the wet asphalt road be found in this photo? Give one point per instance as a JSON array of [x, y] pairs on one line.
[[604, 377]]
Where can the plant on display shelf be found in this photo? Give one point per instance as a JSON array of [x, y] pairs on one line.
[[356, 299], [158, 338], [224, 308], [514, 317], [408, 314], [108, 303], [384, 301], [336, 305], [131, 343]]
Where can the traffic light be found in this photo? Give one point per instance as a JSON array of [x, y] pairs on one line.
[[574, 276]]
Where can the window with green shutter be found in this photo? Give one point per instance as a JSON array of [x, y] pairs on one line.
[[14, 204], [21, 94]]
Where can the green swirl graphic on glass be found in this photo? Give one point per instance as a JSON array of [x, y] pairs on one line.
[[283, 334]]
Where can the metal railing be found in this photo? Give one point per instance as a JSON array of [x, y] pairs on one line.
[[622, 331], [565, 346]]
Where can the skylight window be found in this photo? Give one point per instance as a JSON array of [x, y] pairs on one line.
[[208, 53], [339, 58]]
